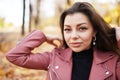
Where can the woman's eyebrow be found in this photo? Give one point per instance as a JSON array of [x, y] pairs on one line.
[[81, 24], [76, 25], [67, 25]]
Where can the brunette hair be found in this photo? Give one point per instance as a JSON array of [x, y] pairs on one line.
[[105, 37]]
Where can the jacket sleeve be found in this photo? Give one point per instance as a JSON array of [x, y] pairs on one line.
[[118, 70], [22, 56]]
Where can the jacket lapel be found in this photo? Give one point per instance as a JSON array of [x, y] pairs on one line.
[[99, 68], [99, 73], [62, 66]]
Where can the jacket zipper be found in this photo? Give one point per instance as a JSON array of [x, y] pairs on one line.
[[54, 72], [50, 75]]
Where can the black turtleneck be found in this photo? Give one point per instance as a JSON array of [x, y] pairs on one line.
[[82, 62]]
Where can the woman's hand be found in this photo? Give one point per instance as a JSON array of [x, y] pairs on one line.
[[52, 38], [117, 32]]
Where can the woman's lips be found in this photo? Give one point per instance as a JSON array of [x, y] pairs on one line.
[[75, 44]]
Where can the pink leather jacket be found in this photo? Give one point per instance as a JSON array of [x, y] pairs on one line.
[[58, 62]]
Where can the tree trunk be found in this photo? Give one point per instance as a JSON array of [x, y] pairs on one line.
[[30, 16], [68, 2], [23, 21], [37, 17]]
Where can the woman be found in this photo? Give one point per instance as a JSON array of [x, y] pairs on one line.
[[89, 50]]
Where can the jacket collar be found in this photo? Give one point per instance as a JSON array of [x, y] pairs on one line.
[[65, 54], [101, 57], [98, 56]]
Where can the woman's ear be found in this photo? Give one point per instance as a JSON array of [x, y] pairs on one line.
[[94, 34]]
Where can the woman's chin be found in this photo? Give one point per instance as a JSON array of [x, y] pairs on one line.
[[77, 49]]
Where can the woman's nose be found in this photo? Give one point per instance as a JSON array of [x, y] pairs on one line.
[[74, 35]]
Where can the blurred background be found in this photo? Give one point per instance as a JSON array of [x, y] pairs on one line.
[[19, 17]]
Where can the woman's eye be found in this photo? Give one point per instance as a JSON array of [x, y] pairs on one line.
[[67, 30], [82, 28]]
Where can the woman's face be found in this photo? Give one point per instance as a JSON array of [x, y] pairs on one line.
[[78, 32]]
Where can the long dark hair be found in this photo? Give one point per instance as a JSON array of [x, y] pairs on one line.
[[105, 37]]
